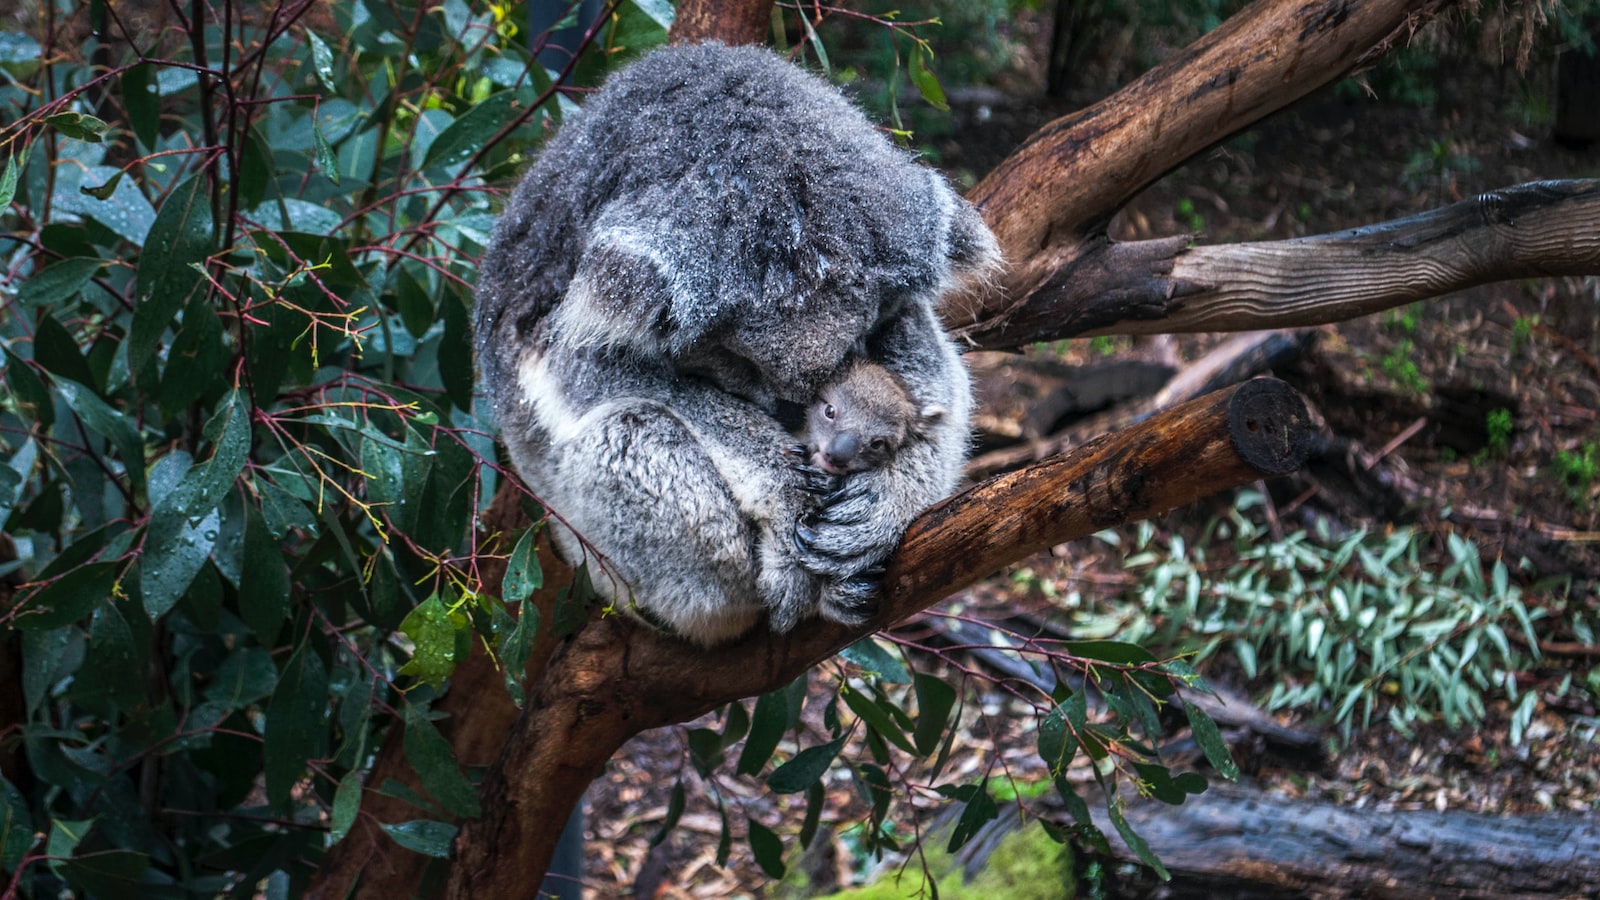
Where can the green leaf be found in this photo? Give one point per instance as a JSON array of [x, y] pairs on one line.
[[16, 827], [196, 359], [927, 83], [68, 598], [80, 126], [28, 391], [455, 353], [523, 573], [1134, 841], [1210, 741], [175, 547], [980, 811], [675, 804], [876, 660], [264, 594], [112, 425], [102, 683], [660, 11], [8, 180], [1118, 652], [56, 350], [297, 723], [323, 153], [424, 836], [321, 61], [1057, 746], [935, 698], [180, 236], [346, 804], [103, 191], [56, 284], [805, 769], [434, 762], [467, 134], [767, 725], [245, 676], [877, 718], [432, 629], [767, 849], [143, 103]]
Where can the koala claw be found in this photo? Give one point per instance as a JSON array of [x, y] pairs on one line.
[[851, 601]]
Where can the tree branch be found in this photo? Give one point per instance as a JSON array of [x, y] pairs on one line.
[[1160, 286], [1068, 178], [616, 678]]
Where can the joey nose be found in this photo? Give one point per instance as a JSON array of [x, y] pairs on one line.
[[842, 450]]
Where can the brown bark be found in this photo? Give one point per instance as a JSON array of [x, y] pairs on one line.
[[1233, 840], [616, 678], [1539, 229], [730, 23], [1049, 198]]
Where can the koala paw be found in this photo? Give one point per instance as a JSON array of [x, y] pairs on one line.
[[852, 601], [851, 532]]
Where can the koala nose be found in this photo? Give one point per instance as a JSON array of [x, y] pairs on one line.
[[842, 450]]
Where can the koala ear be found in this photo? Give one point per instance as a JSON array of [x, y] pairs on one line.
[[972, 249], [930, 416], [620, 295]]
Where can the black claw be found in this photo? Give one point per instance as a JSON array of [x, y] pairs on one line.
[[804, 537]]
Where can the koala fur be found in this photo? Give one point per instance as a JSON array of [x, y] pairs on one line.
[[862, 420], [707, 242]]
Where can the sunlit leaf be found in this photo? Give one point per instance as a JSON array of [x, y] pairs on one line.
[[874, 659]]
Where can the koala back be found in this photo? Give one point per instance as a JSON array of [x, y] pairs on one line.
[[722, 207]]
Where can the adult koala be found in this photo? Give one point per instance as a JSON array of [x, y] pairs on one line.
[[703, 247]]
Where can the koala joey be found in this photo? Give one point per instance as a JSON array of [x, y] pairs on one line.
[[703, 247], [863, 419]]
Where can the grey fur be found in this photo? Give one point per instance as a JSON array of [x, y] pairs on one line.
[[862, 420], [714, 235]]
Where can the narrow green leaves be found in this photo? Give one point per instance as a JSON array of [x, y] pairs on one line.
[[1210, 741], [180, 237], [429, 754], [805, 769], [523, 573], [297, 723], [423, 836], [68, 598], [767, 725], [767, 849], [99, 417], [143, 103]]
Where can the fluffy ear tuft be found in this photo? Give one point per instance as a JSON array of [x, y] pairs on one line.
[[620, 295], [930, 416]]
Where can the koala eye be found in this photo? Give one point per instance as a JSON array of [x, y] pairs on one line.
[[828, 412], [879, 443]]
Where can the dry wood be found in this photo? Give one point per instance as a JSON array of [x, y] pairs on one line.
[[1230, 362], [1048, 202], [616, 678], [1233, 839], [1539, 229]]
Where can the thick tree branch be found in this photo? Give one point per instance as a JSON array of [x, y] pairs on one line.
[[617, 678], [741, 22], [1076, 171], [1161, 287]]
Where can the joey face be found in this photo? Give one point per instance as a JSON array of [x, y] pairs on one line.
[[860, 422]]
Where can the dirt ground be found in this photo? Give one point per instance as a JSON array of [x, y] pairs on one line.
[[1334, 161]]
